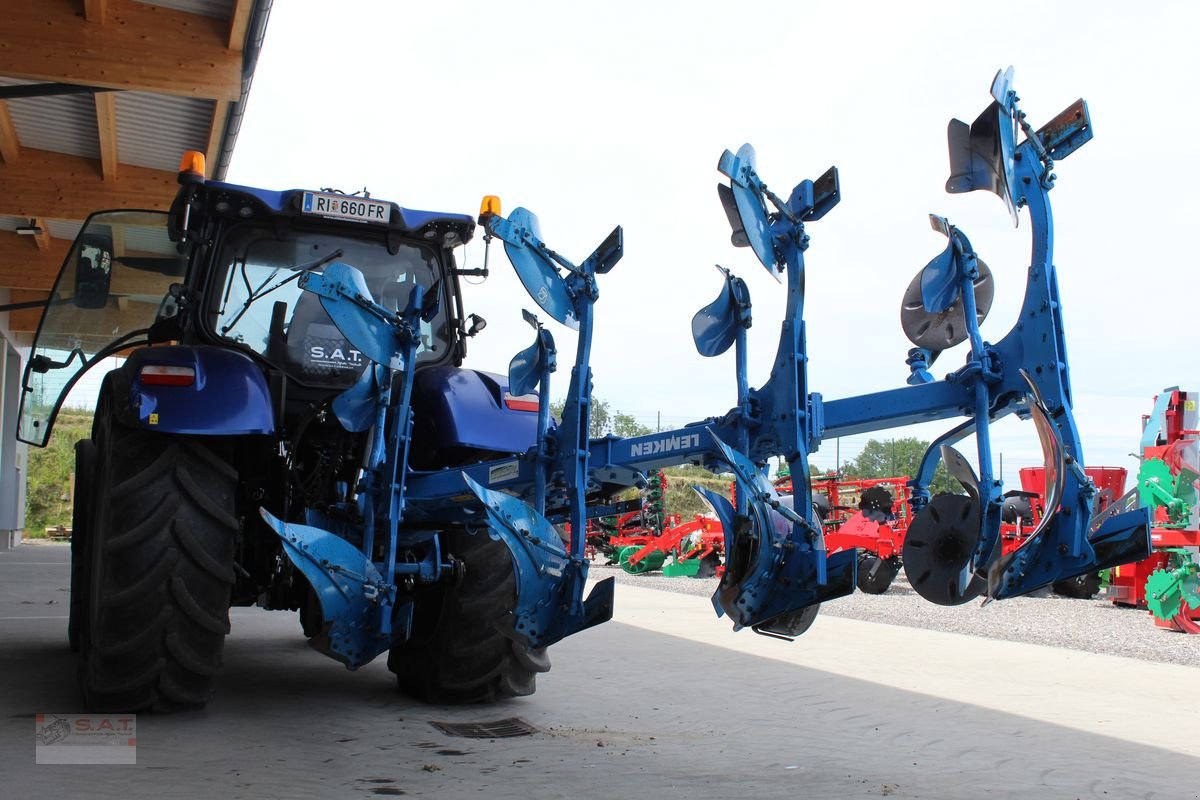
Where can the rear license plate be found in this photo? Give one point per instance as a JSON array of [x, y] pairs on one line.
[[337, 206]]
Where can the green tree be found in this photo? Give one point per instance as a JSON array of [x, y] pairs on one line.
[[625, 426], [897, 457], [604, 420]]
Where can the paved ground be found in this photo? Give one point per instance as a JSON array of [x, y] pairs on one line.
[[664, 702], [1094, 626]]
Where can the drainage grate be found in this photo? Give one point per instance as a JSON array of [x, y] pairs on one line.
[[496, 729]]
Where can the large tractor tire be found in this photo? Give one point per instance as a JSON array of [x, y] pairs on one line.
[[1081, 587], [160, 543], [81, 507], [463, 657]]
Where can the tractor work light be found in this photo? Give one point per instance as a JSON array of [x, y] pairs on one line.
[[192, 165], [489, 207], [163, 375]]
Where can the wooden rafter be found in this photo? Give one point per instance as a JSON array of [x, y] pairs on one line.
[[239, 22], [106, 125], [140, 47], [95, 10], [23, 266], [44, 184], [9, 145], [42, 238]]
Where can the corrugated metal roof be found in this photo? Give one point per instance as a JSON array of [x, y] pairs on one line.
[[149, 239], [62, 124], [58, 228], [153, 130], [221, 9], [63, 228]]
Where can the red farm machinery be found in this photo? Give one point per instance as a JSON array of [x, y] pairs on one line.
[[648, 538], [870, 515], [1167, 583]]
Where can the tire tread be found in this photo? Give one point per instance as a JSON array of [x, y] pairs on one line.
[[467, 659], [164, 530]]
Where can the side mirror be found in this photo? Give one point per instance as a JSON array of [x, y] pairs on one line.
[[93, 270]]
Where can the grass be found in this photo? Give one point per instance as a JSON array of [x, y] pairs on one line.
[[682, 500], [50, 472]]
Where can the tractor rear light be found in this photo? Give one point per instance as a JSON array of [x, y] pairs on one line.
[[526, 402], [161, 375]]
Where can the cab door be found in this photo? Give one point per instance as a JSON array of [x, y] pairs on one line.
[[114, 284]]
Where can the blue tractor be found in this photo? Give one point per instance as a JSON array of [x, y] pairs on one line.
[[298, 431]]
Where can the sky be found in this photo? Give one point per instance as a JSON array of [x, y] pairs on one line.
[[616, 113]]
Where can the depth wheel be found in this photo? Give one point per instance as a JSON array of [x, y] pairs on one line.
[[465, 658], [876, 574], [161, 546]]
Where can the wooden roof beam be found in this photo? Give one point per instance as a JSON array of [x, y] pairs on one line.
[[106, 126], [24, 266], [41, 239], [140, 47], [59, 186], [95, 10], [10, 146], [239, 23]]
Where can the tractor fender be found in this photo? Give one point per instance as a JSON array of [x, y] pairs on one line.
[[224, 394], [472, 409]]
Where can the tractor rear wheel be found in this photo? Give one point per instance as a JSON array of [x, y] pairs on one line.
[[465, 658], [161, 542], [1081, 587], [85, 469]]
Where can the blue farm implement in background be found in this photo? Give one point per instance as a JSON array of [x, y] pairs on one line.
[[405, 504]]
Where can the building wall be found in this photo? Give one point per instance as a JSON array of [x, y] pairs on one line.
[[13, 454]]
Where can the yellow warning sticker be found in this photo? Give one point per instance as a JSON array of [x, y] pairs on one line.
[[154, 419], [1189, 405]]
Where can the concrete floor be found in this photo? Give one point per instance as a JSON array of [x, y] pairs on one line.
[[664, 702]]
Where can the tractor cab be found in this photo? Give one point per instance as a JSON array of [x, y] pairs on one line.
[[221, 269]]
